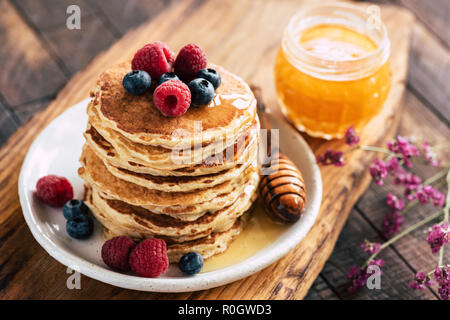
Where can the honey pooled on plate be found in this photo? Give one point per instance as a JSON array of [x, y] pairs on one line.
[[332, 70]]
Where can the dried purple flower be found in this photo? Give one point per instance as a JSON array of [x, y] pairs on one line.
[[370, 247], [407, 179], [391, 223], [434, 196], [331, 157], [359, 275], [438, 236], [378, 171], [351, 137], [392, 165], [421, 281], [425, 194], [430, 155], [442, 276], [404, 148], [394, 202]]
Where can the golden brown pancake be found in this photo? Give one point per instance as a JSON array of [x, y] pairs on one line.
[[135, 186], [138, 219], [136, 117], [96, 174]]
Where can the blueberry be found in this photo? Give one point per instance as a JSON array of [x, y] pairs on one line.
[[202, 92], [137, 82], [81, 227], [191, 263], [74, 208], [168, 76], [211, 75]]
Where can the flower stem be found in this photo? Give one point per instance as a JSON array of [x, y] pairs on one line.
[[442, 145], [430, 180], [446, 216], [436, 177], [376, 149], [402, 234]]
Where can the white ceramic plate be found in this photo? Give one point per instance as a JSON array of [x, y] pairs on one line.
[[56, 151]]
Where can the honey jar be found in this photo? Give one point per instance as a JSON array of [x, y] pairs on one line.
[[332, 69]]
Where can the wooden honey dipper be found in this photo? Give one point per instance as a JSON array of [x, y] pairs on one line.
[[282, 187]]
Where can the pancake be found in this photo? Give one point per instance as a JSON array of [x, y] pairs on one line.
[[237, 153], [166, 158], [231, 112], [191, 212], [94, 172], [182, 184], [208, 246], [189, 180], [141, 220]]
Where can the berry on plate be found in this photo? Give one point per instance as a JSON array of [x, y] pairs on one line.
[[116, 251], [149, 258], [74, 208], [211, 75], [81, 227], [137, 82], [191, 263], [155, 58], [202, 92], [168, 76], [172, 98], [189, 61], [54, 190]]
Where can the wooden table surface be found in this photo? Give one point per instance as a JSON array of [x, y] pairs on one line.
[[39, 55]]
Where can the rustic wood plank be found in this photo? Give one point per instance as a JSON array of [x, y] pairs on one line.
[[47, 14], [8, 124], [396, 274], [434, 14], [320, 290], [124, 15], [413, 248], [429, 70], [26, 111], [28, 71], [224, 35], [76, 48], [429, 61]]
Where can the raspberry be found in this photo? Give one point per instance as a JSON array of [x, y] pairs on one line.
[[190, 60], [172, 98], [53, 190], [155, 58], [149, 258], [116, 252]]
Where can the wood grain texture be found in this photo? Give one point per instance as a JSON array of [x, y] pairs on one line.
[[124, 15], [8, 123], [224, 31], [412, 253], [24, 61], [26, 111], [429, 72], [395, 277], [321, 290], [52, 13], [76, 48], [412, 248], [434, 14]]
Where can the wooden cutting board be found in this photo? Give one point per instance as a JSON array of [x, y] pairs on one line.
[[243, 36]]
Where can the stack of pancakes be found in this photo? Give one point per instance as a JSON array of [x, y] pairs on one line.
[[190, 180]]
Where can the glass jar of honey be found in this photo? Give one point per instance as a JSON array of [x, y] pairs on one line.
[[332, 70]]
